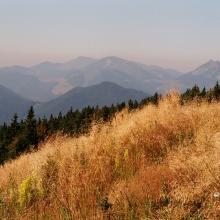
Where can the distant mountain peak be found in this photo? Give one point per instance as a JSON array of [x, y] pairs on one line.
[[205, 75], [108, 83], [105, 93], [208, 67], [114, 59], [84, 58], [108, 61], [212, 63], [45, 64], [79, 62], [80, 59]]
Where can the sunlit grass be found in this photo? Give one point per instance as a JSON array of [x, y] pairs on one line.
[[160, 162]]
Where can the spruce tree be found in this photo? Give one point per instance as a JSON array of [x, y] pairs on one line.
[[130, 105], [135, 104], [195, 91], [31, 128], [14, 125], [203, 92], [217, 91], [156, 98]]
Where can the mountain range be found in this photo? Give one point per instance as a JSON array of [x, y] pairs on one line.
[[105, 93], [54, 87], [205, 75], [48, 80]]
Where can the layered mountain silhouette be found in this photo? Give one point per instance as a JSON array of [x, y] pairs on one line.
[[125, 73], [86, 81], [11, 103], [105, 93], [205, 75], [47, 80], [19, 80]]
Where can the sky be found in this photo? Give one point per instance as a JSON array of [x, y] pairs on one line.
[[170, 33]]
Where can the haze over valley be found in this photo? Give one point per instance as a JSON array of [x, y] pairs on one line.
[[49, 82], [54, 79]]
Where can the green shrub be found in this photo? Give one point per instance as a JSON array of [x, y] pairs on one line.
[[28, 192]]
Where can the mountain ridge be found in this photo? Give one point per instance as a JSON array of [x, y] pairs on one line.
[[11, 103], [205, 75], [48, 80], [105, 93]]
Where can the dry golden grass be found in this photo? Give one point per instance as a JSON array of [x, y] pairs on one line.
[[161, 162]]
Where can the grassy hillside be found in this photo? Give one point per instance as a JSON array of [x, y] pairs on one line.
[[161, 162]]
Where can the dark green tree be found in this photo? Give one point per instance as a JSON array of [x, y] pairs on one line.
[[216, 91], [14, 125], [203, 93], [155, 98], [130, 105], [31, 128]]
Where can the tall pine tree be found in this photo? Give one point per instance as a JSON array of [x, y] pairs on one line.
[[31, 128], [14, 125]]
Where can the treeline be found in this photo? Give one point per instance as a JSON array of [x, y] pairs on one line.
[[195, 92], [22, 136]]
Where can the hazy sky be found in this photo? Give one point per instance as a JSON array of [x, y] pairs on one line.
[[171, 33]]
